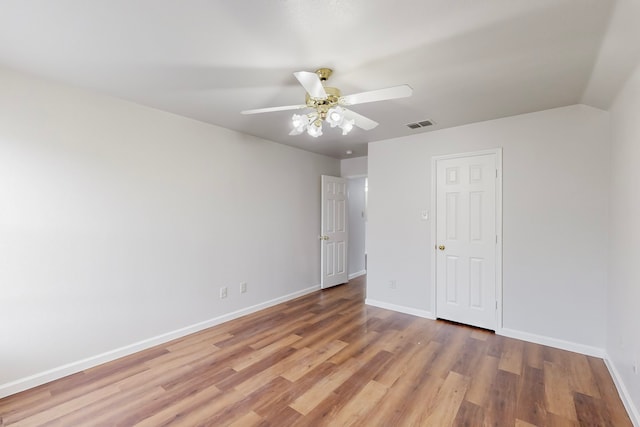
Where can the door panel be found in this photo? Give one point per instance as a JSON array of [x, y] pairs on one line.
[[334, 235], [475, 282], [466, 240], [452, 279]]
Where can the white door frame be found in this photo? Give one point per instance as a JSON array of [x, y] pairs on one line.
[[433, 243]]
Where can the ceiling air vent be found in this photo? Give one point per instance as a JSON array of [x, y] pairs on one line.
[[420, 124]]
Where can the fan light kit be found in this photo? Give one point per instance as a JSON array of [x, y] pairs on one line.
[[328, 104]]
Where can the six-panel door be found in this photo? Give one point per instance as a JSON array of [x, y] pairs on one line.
[[466, 240], [334, 231]]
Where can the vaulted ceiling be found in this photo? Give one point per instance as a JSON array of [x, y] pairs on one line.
[[467, 61]]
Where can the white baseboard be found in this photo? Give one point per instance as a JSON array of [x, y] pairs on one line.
[[26, 383], [552, 342], [632, 410], [400, 308], [357, 274]]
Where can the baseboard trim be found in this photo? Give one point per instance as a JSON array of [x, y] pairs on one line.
[[552, 342], [35, 380], [357, 274], [400, 308], [625, 396]]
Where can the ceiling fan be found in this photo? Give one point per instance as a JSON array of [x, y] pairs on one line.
[[328, 104]]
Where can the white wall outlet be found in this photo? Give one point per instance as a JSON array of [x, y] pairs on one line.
[[392, 284], [243, 287], [223, 292]]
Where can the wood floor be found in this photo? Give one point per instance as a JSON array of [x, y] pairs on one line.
[[327, 359]]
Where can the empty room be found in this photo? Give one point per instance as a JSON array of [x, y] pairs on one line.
[[319, 213]]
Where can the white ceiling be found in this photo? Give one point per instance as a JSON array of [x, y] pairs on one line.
[[466, 60]]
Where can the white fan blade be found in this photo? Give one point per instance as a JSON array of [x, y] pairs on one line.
[[394, 92], [312, 84], [359, 120], [270, 109]]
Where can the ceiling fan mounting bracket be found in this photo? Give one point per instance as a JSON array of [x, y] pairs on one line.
[[324, 73]]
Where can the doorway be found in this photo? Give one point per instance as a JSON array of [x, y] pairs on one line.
[[357, 189]]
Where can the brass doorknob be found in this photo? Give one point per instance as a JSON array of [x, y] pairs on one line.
[[441, 247]]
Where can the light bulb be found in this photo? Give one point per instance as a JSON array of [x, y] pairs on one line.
[[299, 121], [296, 119], [346, 126], [315, 129], [335, 116]]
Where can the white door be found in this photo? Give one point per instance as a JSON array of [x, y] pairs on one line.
[[333, 237], [466, 240]]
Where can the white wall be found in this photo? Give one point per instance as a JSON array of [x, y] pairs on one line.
[[623, 318], [615, 83], [357, 225], [355, 167], [617, 57], [119, 223], [555, 191]]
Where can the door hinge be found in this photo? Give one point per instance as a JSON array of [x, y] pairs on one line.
[[496, 173], [496, 239], [496, 304]]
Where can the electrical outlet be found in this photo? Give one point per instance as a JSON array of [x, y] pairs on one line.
[[243, 287], [223, 292], [392, 284]]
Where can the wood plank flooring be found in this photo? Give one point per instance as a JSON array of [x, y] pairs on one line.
[[328, 359]]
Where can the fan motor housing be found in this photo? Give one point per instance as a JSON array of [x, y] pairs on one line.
[[323, 105]]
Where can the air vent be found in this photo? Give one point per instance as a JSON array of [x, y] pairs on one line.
[[420, 124]]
